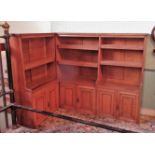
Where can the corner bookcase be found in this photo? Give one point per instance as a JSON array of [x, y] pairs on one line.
[[99, 74], [33, 57]]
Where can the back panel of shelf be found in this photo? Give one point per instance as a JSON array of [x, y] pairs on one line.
[[40, 75], [82, 42], [122, 55], [78, 55], [35, 49], [76, 73], [121, 75], [136, 43]]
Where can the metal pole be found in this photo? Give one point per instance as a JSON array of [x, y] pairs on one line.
[[3, 91], [6, 26]]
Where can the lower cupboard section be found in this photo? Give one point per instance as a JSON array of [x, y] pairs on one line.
[[85, 99], [78, 98], [44, 98], [119, 104]]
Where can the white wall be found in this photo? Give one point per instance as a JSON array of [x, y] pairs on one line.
[[29, 27], [105, 27]]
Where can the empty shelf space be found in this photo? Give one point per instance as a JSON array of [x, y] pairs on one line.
[[120, 86], [121, 47], [121, 63], [38, 63], [80, 81], [39, 83], [78, 63], [78, 47]]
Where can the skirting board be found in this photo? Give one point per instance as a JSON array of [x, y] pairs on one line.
[[148, 112]]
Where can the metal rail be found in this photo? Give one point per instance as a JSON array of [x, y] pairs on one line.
[[69, 118], [6, 38], [3, 90]]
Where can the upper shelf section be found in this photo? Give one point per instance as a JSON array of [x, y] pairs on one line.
[[39, 63], [78, 43], [37, 51]]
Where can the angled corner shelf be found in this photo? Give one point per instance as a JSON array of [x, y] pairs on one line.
[[38, 63]]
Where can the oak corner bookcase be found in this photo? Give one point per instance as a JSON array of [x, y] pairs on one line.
[[99, 74]]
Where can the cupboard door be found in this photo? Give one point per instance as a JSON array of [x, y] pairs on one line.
[[52, 98], [105, 102], [128, 104], [86, 98], [39, 100], [67, 96]]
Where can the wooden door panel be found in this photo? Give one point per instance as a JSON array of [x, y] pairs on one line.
[[40, 100], [105, 102], [86, 99], [128, 105], [67, 96], [52, 98]]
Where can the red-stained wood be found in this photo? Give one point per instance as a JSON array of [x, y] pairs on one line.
[[2, 47], [106, 102], [86, 99], [99, 74], [128, 106], [67, 96], [52, 93]]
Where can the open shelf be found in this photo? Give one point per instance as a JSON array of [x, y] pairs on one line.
[[80, 81], [78, 75], [38, 83], [120, 74], [114, 85], [78, 63], [37, 49], [80, 47], [121, 47], [40, 75], [121, 63], [38, 63]]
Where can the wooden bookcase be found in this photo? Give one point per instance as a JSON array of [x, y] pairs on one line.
[[77, 58], [33, 57], [120, 76], [99, 74]]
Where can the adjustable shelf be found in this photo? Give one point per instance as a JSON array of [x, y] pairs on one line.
[[38, 63], [121, 64], [78, 63], [121, 47], [77, 47]]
